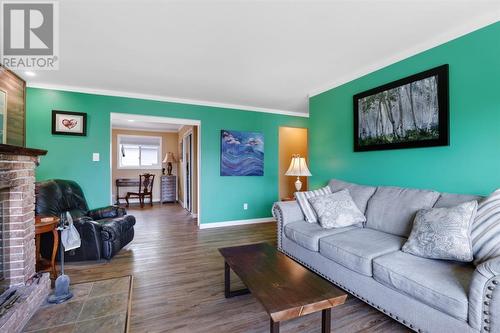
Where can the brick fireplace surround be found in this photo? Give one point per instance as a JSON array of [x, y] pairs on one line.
[[17, 246]]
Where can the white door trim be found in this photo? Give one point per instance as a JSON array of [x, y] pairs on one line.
[[160, 119]]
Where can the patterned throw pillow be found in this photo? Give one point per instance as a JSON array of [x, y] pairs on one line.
[[303, 201], [443, 233], [337, 210], [486, 229]]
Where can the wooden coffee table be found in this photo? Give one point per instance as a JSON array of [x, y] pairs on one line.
[[286, 289]]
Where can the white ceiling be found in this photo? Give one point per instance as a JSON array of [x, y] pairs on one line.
[[143, 123], [264, 55]]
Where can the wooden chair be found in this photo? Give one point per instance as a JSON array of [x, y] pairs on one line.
[[146, 182]]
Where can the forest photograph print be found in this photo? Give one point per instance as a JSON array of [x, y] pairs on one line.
[[407, 113], [242, 153]]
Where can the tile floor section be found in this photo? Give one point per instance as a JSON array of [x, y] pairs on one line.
[[99, 306]]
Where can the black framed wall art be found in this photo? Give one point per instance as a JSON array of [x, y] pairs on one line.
[[69, 123], [407, 113]]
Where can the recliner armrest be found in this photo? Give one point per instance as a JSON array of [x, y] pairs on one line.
[[109, 231], [107, 212], [484, 297], [285, 212]]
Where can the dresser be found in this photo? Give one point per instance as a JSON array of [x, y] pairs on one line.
[[168, 188]]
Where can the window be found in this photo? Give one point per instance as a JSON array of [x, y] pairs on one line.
[[139, 152]]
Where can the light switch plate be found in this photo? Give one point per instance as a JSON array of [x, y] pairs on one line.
[[95, 157]]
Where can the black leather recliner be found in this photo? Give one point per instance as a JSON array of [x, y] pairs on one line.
[[104, 231]]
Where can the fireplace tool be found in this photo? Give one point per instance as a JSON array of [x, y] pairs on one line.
[[61, 290]]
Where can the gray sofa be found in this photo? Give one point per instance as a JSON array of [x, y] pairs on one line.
[[425, 295]]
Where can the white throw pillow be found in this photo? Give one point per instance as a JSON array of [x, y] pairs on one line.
[[337, 210], [303, 201], [443, 233]]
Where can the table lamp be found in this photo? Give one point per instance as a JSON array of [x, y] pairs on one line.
[[169, 159], [298, 167]]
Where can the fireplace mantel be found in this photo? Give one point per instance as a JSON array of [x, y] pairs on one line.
[[23, 151]]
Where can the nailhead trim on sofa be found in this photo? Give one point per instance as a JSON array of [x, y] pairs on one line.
[[488, 295]]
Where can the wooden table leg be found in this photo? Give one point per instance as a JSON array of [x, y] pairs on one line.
[[54, 253], [227, 281], [326, 319], [274, 326], [227, 284]]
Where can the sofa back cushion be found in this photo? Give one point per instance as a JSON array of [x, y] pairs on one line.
[[447, 200], [392, 209], [360, 193]]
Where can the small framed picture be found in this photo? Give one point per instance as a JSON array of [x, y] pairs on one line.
[[69, 123]]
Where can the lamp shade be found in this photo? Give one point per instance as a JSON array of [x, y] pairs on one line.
[[298, 167], [169, 158]]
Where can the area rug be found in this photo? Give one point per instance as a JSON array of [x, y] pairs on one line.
[[97, 306]]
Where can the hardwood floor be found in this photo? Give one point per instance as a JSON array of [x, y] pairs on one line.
[[179, 286]]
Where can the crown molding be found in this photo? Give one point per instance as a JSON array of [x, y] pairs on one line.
[[115, 93], [484, 21]]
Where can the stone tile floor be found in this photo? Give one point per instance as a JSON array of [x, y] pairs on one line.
[[99, 306]]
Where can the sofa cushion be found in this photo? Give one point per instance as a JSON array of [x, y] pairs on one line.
[[392, 209], [360, 193], [355, 249], [443, 233], [308, 234], [337, 210], [442, 285], [452, 199]]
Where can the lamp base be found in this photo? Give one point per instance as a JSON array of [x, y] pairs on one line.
[[169, 168], [298, 184]]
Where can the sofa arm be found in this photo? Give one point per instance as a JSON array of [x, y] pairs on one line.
[[285, 212], [107, 212], [484, 297]]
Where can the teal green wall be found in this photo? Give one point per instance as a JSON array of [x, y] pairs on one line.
[[222, 198], [471, 164]]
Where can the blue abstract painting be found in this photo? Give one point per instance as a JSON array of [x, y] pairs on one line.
[[242, 153]]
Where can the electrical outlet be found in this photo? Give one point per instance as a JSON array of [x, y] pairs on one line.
[[245, 206], [95, 157]]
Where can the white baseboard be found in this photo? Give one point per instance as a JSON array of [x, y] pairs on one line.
[[236, 222]]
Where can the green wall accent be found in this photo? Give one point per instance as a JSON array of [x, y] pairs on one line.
[[471, 164], [222, 198]]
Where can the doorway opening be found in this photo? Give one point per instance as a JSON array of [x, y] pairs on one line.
[[292, 141], [167, 150]]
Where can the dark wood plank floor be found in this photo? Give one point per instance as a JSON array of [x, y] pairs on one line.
[[179, 287]]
